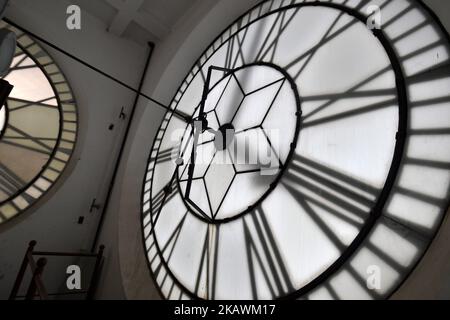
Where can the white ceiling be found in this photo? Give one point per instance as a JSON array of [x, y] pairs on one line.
[[138, 20]]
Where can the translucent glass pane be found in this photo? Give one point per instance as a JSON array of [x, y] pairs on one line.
[[33, 85]]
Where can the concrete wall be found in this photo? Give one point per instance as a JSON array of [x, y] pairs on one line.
[[54, 223]]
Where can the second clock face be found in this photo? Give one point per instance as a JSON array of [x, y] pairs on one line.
[[38, 128], [301, 142]]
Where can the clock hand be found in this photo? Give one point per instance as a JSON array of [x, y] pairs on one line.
[[169, 188], [197, 130], [181, 115], [200, 126], [211, 130], [167, 191]]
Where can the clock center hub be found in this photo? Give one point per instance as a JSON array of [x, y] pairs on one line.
[[224, 137]]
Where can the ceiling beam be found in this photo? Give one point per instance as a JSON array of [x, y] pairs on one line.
[[127, 11]]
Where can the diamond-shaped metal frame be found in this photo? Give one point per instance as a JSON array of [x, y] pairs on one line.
[[285, 78]]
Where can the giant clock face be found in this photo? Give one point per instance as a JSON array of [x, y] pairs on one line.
[[318, 164], [38, 128]]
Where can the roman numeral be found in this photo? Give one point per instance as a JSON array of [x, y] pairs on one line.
[[205, 286], [345, 197], [10, 183], [18, 65], [264, 257], [440, 71], [235, 55], [271, 40], [166, 155], [165, 251], [15, 104], [352, 93], [202, 73], [326, 38], [360, 110], [25, 141], [162, 198]]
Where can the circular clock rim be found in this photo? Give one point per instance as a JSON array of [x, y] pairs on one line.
[[39, 201], [60, 129], [440, 222], [394, 168], [292, 149]]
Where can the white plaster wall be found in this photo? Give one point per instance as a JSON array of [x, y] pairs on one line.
[[54, 222], [171, 62]]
